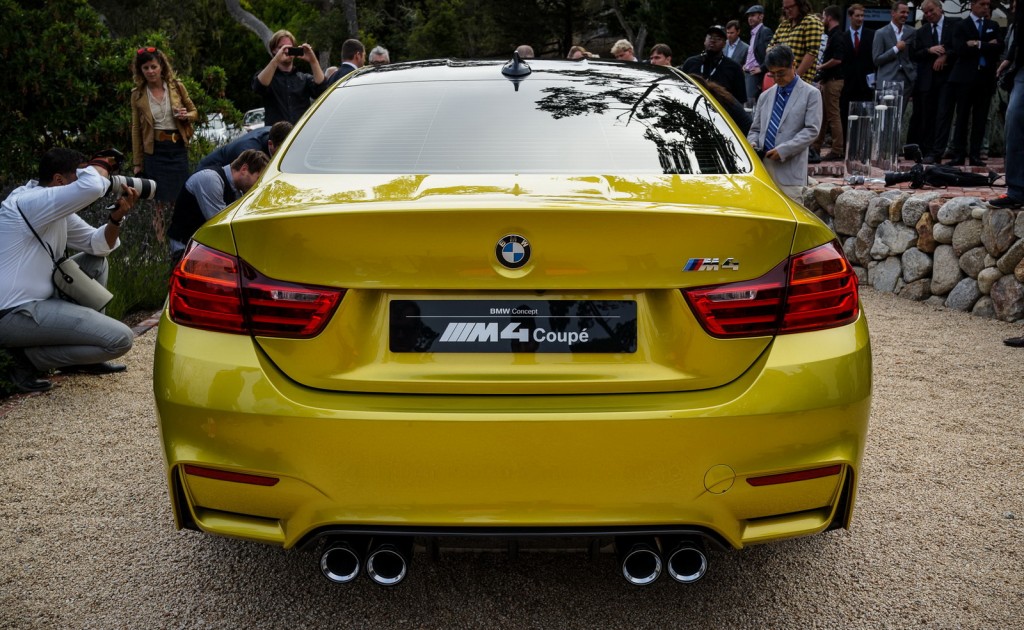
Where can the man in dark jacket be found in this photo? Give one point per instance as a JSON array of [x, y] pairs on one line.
[[753, 67], [714, 66], [857, 65], [265, 139], [977, 46], [932, 50], [287, 93]]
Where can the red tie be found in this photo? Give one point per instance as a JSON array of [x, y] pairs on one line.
[[856, 42]]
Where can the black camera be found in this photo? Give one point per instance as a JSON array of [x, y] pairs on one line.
[[912, 152], [296, 51], [915, 175]]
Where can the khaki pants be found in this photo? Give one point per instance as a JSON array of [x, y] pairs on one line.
[[831, 120]]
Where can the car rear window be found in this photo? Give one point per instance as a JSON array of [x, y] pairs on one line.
[[593, 124]]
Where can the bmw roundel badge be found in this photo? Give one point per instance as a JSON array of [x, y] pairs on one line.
[[513, 251]]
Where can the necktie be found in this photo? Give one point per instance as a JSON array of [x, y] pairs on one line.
[[856, 42], [778, 107], [981, 33], [935, 33]]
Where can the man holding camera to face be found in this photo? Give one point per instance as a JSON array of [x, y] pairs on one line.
[[38, 221], [287, 93]]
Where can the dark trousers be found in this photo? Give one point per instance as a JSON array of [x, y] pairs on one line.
[[944, 118], [923, 123], [853, 91], [972, 103]]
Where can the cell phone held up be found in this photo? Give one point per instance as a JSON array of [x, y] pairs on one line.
[[296, 51]]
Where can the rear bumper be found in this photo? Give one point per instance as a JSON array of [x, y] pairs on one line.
[[456, 464]]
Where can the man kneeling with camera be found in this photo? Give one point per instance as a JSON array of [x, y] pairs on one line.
[[40, 325]]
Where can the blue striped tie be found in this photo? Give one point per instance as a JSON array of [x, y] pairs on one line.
[[773, 125]]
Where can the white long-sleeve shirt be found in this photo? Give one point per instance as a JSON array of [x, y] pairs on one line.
[[25, 267]]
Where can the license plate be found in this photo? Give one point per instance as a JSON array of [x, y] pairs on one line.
[[567, 326]]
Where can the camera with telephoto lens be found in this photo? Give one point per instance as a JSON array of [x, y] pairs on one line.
[[915, 176], [146, 187]]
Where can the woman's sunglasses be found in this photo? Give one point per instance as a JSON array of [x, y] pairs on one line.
[[147, 49]]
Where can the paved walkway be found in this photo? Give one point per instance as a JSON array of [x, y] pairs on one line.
[[833, 173]]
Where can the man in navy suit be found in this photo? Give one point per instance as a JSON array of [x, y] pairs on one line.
[[353, 56], [977, 45], [857, 64], [932, 50]]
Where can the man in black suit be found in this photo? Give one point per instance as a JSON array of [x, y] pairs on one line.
[[353, 56], [857, 63], [977, 46], [932, 50]]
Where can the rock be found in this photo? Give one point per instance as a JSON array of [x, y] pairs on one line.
[[934, 206], [892, 239], [914, 207], [884, 275], [973, 261], [918, 290], [986, 278], [865, 239], [964, 295], [937, 301], [916, 264], [942, 233], [1018, 271], [1008, 297], [990, 260], [807, 198], [966, 236], [862, 275], [1008, 261], [825, 217], [851, 206], [978, 212], [850, 249], [956, 210], [823, 197], [997, 231], [878, 211], [896, 210], [946, 271], [984, 307], [1018, 225], [925, 241]]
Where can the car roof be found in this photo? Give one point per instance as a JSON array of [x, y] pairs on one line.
[[491, 70]]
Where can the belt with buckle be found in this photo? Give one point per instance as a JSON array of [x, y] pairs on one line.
[[168, 136]]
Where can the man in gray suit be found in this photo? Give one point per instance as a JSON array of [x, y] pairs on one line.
[[735, 48], [891, 52], [786, 121]]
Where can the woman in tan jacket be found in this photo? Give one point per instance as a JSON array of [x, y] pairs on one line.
[[162, 117]]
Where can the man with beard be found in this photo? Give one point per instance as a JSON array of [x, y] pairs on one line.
[[714, 66]]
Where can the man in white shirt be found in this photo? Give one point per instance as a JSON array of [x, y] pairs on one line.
[[38, 328], [891, 52]]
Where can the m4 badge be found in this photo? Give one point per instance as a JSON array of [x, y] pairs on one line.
[[711, 264]]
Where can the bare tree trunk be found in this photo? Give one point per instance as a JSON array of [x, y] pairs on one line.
[[349, 7], [250, 21]]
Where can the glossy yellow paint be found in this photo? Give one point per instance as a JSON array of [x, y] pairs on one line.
[[526, 460]]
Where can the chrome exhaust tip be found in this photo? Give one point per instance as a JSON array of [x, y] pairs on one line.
[[340, 562], [687, 562], [639, 559], [387, 563]]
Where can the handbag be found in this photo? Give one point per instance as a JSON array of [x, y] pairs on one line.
[[70, 282]]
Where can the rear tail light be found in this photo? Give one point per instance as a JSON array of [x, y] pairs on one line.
[[791, 477], [813, 290], [212, 290]]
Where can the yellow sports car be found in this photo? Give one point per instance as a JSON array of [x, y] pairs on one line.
[[512, 300]]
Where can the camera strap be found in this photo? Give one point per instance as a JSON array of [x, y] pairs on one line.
[[47, 248]]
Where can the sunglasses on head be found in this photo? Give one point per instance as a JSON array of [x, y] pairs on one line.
[[146, 49]]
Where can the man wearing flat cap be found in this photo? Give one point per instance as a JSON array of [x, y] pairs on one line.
[[753, 67], [713, 65]]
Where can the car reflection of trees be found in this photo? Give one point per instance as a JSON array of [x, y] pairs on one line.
[[685, 133]]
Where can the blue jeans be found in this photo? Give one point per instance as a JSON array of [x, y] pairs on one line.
[[1015, 140], [55, 333]]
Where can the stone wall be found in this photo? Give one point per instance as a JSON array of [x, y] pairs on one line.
[[953, 252]]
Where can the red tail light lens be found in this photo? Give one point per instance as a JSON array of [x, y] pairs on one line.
[[813, 290], [216, 291]]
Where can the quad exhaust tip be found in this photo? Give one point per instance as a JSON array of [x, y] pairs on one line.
[[387, 563], [687, 562], [640, 561], [340, 563]]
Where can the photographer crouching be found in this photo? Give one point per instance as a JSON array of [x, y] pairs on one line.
[[40, 324]]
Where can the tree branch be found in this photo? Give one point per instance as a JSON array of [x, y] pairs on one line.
[[249, 21]]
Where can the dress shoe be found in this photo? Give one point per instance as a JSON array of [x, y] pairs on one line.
[[1014, 342], [956, 162], [23, 374], [976, 162], [835, 156], [1007, 202], [813, 157], [94, 368]]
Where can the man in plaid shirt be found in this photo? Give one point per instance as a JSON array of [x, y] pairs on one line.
[[802, 31]]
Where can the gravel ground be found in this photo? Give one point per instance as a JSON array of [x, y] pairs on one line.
[[87, 541]]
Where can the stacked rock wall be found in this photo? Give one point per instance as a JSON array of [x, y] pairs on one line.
[[955, 252]]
